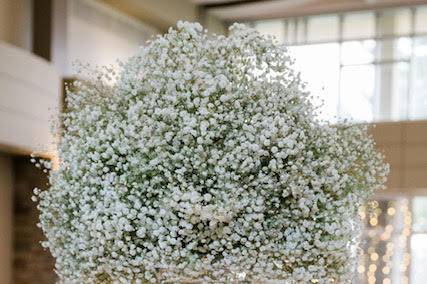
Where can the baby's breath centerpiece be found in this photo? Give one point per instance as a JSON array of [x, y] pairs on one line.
[[203, 160]]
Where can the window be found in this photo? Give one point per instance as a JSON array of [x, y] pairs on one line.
[[419, 240], [418, 100], [394, 22], [358, 25], [419, 258], [274, 28], [322, 28], [358, 52], [321, 67], [392, 90], [366, 66], [421, 20]]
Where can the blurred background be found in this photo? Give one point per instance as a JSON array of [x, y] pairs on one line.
[[365, 59]]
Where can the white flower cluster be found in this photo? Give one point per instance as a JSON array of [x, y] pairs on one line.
[[205, 160]]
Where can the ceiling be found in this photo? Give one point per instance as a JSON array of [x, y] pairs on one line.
[[165, 13], [229, 10], [213, 2], [160, 14]]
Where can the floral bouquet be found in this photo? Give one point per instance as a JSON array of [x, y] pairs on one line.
[[203, 161]]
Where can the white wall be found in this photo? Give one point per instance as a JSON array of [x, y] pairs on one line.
[[100, 35], [163, 14], [6, 217], [15, 22], [30, 89]]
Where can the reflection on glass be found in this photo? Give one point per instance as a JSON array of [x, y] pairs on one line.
[[395, 22], [358, 52], [418, 100], [322, 28], [359, 25], [357, 92], [319, 67], [274, 28], [419, 259]]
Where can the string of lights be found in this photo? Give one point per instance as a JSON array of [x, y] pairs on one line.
[[385, 253]]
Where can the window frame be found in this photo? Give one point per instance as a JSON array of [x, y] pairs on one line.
[[298, 25]]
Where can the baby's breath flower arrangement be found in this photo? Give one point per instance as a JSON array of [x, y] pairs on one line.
[[203, 160]]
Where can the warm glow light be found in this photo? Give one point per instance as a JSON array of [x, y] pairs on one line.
[[371, 279], [387, 239], [385, 236], [405, 280], [407, 258], [406, 231], [371, 249], [391, 211], [374, 256], [386, 270]]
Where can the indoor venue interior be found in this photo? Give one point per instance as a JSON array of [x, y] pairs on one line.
[[362, 60]]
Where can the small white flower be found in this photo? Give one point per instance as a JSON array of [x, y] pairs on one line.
[[204, 160]]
